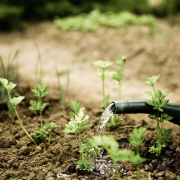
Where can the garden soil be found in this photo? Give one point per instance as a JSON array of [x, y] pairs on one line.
[[146, 56]]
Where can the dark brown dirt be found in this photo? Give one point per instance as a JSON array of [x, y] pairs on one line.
[[20, 157]]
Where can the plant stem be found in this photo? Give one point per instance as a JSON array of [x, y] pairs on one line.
[[50, 138], [138, 172], [158, 127], [149, 176], [23, 127], [21, 122], [119, 91], [80, 142], [103, 85], [65, 92], [41, 119], [117, 172], [125, 127]]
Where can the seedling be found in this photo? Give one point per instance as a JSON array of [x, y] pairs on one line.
[[62, 94], [4, 95], [39, 93], [102, 74], [78, 122], [117, 77], [39, 66], [112, 148], [158, 102], [36, 106], [14, 102], [44, 131], [136, 140]]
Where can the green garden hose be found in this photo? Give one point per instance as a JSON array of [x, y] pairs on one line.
[[140, 106]]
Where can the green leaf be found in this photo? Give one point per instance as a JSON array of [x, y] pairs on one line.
[[4, 81], [150, 103], [151, 81], [164, 94], [16, 100], [163, 136], [136, 159], [41, 87], [149, 93], [102, 64], [153, 150], [112, 148], [120, 62], [52, 125], [165, 117], [122, 155], [43, 106], [99, 73], [45, 93], [112, 124], [10, 86], [35, 91], [151, 116], [37, 94], [84, 165], [71, 127], [33, 105], [75, 107], [119, 76], [164, 102], [107, 142], [135, 137], [108, 74], [158, 94]]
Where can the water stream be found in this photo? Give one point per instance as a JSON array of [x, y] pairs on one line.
[[106, 115]]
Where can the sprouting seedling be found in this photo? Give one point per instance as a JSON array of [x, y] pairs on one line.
[[117, 77], [44, 131], [14, 102], [158, 102], [112, 148], [39, 66], [102, 74], [38, 106], [4, 95], [120, 75], [39, 93], [78, 122], [136, 141], [62, 94]]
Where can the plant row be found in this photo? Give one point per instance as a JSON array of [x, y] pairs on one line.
[[79, 121]]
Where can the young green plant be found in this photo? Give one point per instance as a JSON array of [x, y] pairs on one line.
[[117, 77], [4, 95], [77, 123], [112, 148], [38, 106], [102, 74], [62, 94], [158, 102], [14, 102], [39, 66], [136, 140]]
